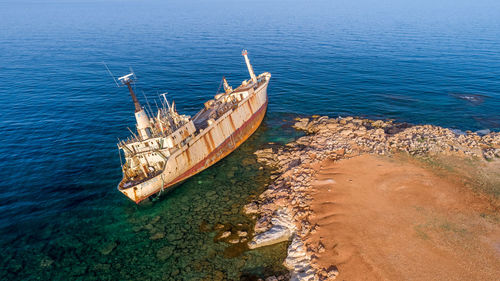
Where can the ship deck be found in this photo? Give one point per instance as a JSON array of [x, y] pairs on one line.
[[218, 108]]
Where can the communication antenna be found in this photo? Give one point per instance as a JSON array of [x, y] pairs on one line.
[[165, 98], [163, 106], [147, 102], [111, 74], [133, 73], [156, 104], [133, 134]]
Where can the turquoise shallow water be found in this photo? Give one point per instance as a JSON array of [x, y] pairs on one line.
[[60, 214], [175, 237]]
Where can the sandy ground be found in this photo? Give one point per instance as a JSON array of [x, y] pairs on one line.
[[382, 218]]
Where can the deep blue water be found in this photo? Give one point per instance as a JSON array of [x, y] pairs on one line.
[[434, 62]]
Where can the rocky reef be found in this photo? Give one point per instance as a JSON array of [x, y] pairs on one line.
[[282, 211]]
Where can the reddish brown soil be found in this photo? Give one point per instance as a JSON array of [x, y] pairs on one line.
[[387, 219]]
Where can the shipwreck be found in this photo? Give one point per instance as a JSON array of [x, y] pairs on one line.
[[168, 147]]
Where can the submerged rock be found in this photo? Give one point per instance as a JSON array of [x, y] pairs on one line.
[[107, 248], [155, 220], [164, 253], [251, 208], [171, 237], [157, 236], [281, 230], [234, 241], [46, 262], [301, 124]]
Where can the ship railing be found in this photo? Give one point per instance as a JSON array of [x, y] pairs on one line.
[[154, 135], [131, 183], [260, 80]]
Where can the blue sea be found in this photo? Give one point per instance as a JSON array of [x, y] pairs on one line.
[[61, 217]]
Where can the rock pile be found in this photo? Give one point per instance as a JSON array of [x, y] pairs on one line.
[[384, 137], [286, 198]]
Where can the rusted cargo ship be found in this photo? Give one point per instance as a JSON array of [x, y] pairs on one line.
[[169, 148]]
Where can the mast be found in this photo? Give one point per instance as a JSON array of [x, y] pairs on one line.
[[249, 66], [143, 123], [134, 98], [127, 80], [227, 88]]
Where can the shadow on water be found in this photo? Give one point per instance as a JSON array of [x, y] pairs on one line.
[[473, 99], [177, 237], [488, 122]]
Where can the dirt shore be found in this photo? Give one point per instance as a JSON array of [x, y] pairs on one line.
[[362, 199], [384, 218]]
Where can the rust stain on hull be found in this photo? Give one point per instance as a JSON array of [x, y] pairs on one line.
[[188, 156], [206, 143], [250, 106], [232, 123], [211, 139]]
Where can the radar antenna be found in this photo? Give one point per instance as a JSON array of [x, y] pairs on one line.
[[111, 74], [126, 81], [133, 73]]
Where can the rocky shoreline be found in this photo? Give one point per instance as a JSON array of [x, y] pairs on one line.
[[282, 211]]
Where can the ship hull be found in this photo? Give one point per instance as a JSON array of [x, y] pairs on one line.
[[212, 145]]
